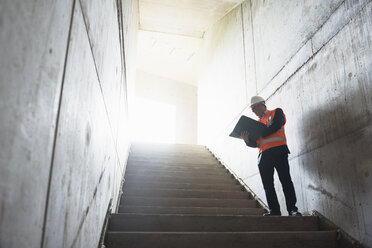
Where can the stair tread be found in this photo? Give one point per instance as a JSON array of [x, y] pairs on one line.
[[176, 169], [179, 223], [149, 179], [180, 174], [308, 239], [175, 185], [191, 210], [187, 193], [213, 170], [185, 199], [175, 162], [173, 201], [192, 190], [211, 208], [219, 233]]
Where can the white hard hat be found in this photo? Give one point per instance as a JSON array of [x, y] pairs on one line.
[[257, 99]]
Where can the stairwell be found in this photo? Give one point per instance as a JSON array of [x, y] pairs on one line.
[[181, 196]]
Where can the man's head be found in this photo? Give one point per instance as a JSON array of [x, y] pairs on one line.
[[258, 105]]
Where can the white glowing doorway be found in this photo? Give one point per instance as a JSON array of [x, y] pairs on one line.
[[153, 121]]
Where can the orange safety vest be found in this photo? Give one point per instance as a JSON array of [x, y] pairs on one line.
[[276, 139]]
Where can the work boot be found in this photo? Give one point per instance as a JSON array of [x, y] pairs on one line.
[[294, 213], [273, 213]]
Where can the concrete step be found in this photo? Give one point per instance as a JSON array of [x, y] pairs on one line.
[[167, 179], [188, 175], [197, 150], [167, 148], [181, 155], [173, 164], [195, 223], [309, 239], [177, 173], [185, 161], [187, 202], [180, 193], [186, 167], [173, 156], [191, 210], [129, 185], [181, 175]]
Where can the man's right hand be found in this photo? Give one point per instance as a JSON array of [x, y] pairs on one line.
[[244, 135]]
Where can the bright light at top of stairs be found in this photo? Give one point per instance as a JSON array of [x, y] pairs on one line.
[[153, 121]]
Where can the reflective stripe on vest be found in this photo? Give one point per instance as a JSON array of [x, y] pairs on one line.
[[271, 140], [269, 122]]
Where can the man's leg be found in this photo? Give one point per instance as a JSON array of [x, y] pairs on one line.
[[282, 167], [266, 167]]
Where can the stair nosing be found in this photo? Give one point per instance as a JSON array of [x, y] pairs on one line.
[[255, 232]]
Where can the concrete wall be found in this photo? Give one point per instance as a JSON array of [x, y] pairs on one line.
[[130, 26], [64, 128], [182, 96], [313, 59]]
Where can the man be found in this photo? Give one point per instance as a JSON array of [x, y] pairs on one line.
[[273, 153]]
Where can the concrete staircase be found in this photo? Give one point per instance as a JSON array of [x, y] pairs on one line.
[[181, 196]]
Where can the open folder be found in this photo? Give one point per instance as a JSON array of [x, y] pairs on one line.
[[253, 127]]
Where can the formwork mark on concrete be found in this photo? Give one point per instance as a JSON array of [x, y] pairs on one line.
[[105, 224], [332, 141], [253, 175], [98, 78], [86, 212], [295, 53], [122, 47], [297, 69], [244, 53], [317, 51], [122, 173], [254, 47], [303, 44], [57, 125]]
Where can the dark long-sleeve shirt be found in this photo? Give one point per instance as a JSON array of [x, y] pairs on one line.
[[277, 122]]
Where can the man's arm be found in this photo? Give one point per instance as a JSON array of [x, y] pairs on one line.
[[277, 123]]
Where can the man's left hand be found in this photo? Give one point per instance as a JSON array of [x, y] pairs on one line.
[[244, 135]]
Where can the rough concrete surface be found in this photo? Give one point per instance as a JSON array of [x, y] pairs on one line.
[[102, 24], [33, 47], [333, 157], [130, 25], [76, 177], [222, 77], [62, 101], [313, 60], [278, 36]]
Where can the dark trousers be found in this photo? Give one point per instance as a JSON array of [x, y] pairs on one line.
[[277, 157]]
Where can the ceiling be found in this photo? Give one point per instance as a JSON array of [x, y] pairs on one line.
[[171, 56], [171, 32], [182, 17]]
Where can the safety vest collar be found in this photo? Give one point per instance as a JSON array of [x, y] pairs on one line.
[[267, 117]]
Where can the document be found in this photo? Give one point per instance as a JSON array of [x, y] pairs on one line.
[[253, 127]]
